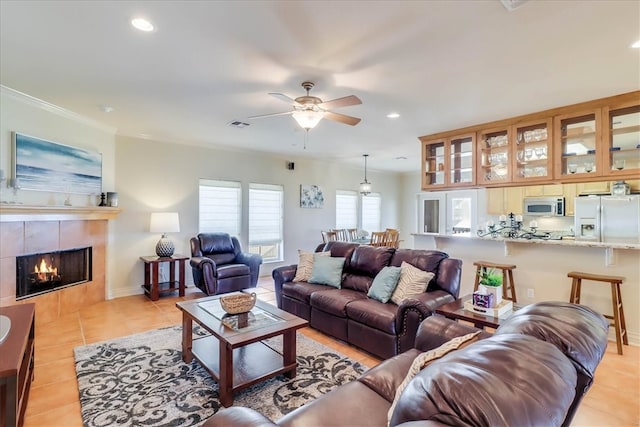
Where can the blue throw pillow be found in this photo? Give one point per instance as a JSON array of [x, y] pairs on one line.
[[384, 284], [327, 270]]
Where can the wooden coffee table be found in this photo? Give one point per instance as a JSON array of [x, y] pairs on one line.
[[455, 311], [234, 353]]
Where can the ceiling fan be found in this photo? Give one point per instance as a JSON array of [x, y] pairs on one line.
[[309, 110]]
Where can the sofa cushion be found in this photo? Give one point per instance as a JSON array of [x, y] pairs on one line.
[[366, 262], [508, 380], [305, 265], [301, 291], [233, 270], [413, 281], [334, 301], [422, 360], [374, 314], [422, 259], [384, 284], [327, 271]]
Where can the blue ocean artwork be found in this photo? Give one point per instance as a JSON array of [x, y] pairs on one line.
[[48, 166]]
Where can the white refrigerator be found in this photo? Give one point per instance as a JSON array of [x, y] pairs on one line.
[[608, 219]]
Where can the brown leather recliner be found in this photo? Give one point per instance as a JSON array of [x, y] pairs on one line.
[[219, 265]]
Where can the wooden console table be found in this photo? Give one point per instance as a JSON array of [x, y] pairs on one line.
[[153, 288], [16, 363]]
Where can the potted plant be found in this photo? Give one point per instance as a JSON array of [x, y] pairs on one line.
[[491, 283]]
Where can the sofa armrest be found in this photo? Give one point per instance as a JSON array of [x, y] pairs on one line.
[[199, 262], [253, 261], [449, 276], [204, 272], [282, 275], [238, 416], [411, 312]]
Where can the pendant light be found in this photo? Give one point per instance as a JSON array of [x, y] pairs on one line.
[[365, 186]]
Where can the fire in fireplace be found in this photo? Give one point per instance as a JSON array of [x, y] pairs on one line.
[[44, 272]]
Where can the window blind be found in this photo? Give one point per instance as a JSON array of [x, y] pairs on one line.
[[371, 206], [346, 209], [219, 206], [265, 214]]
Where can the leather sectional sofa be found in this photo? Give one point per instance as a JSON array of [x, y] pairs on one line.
[[534, 371], [384, 330]]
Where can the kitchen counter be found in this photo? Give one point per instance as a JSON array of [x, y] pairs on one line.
[[563, 242]]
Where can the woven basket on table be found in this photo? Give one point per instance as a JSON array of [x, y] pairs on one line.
[[239, 303]]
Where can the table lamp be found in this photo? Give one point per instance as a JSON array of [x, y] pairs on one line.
[[164, 222]]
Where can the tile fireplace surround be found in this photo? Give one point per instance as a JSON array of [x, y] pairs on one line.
[[26, 230]]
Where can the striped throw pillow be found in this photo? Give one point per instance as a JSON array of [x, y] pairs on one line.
[[413, 281], [305, 265]]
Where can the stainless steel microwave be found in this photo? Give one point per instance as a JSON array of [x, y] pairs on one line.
[[544, 206]]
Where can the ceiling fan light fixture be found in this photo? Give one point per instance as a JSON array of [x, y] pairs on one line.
[[365, 186], [308, 119]]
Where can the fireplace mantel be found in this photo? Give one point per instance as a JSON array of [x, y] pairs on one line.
[[12, 213]]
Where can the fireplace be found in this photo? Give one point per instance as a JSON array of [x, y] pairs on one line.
[[45, 272]]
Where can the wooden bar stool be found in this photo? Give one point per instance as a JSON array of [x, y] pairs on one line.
[[616, 301], [508, 285]]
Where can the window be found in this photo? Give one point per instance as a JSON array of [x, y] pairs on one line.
[[265, 221], [371, 205], [219, 206], [346, 209]]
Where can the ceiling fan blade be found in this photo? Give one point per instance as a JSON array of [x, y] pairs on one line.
[[285, 98], [340, 102], [270, 115], [347, 120]]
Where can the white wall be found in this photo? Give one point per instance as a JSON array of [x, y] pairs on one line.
[[158, 176]]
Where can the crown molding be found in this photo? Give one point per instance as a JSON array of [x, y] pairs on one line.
[[51, 108]]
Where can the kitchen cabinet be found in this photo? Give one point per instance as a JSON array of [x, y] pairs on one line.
[[449, 162], [621, 139], [598, 187], [577, 143], [543, 190], [494, 156], [569, 193], [597, 140], [533, 151], [505, 200]]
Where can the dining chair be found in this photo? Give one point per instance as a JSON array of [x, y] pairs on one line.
[[329, 236], [391, 238], [377, 238], [341, 234], [352, 234]]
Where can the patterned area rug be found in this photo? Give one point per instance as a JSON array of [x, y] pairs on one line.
[[141, 380]]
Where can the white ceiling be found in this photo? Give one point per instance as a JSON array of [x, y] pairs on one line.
[[440, 64]]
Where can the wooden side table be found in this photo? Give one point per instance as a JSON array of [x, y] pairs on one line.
[[153, 288], [17, 364]]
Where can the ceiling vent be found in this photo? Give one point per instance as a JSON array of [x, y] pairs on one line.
[[237, 124], [512, 5]]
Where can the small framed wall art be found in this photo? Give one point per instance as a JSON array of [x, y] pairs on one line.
[[311, 196]]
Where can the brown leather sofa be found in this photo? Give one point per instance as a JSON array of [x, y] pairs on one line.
[[219, 266], [349, 315], [533, 371]]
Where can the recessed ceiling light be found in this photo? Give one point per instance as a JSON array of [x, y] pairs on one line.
[[106, 108], [636, 45], [142, 24], [393, 115]]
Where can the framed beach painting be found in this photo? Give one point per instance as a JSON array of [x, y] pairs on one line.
[[49, 166], [311, 196]]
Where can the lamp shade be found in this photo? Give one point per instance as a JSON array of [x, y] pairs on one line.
[[164, 222], [308, 119]]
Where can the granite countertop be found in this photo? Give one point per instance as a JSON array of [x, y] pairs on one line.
[[564, 242]]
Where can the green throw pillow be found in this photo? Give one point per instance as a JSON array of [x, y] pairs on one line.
[[327, 270], [384, 284]]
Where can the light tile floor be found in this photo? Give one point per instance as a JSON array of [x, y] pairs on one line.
[[614, 400]]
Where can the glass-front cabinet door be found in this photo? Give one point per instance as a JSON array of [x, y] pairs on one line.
[[434, 158], [577, 143], [494, 156], [533, 153], [448, 162], [461, 160], [621, 139]]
